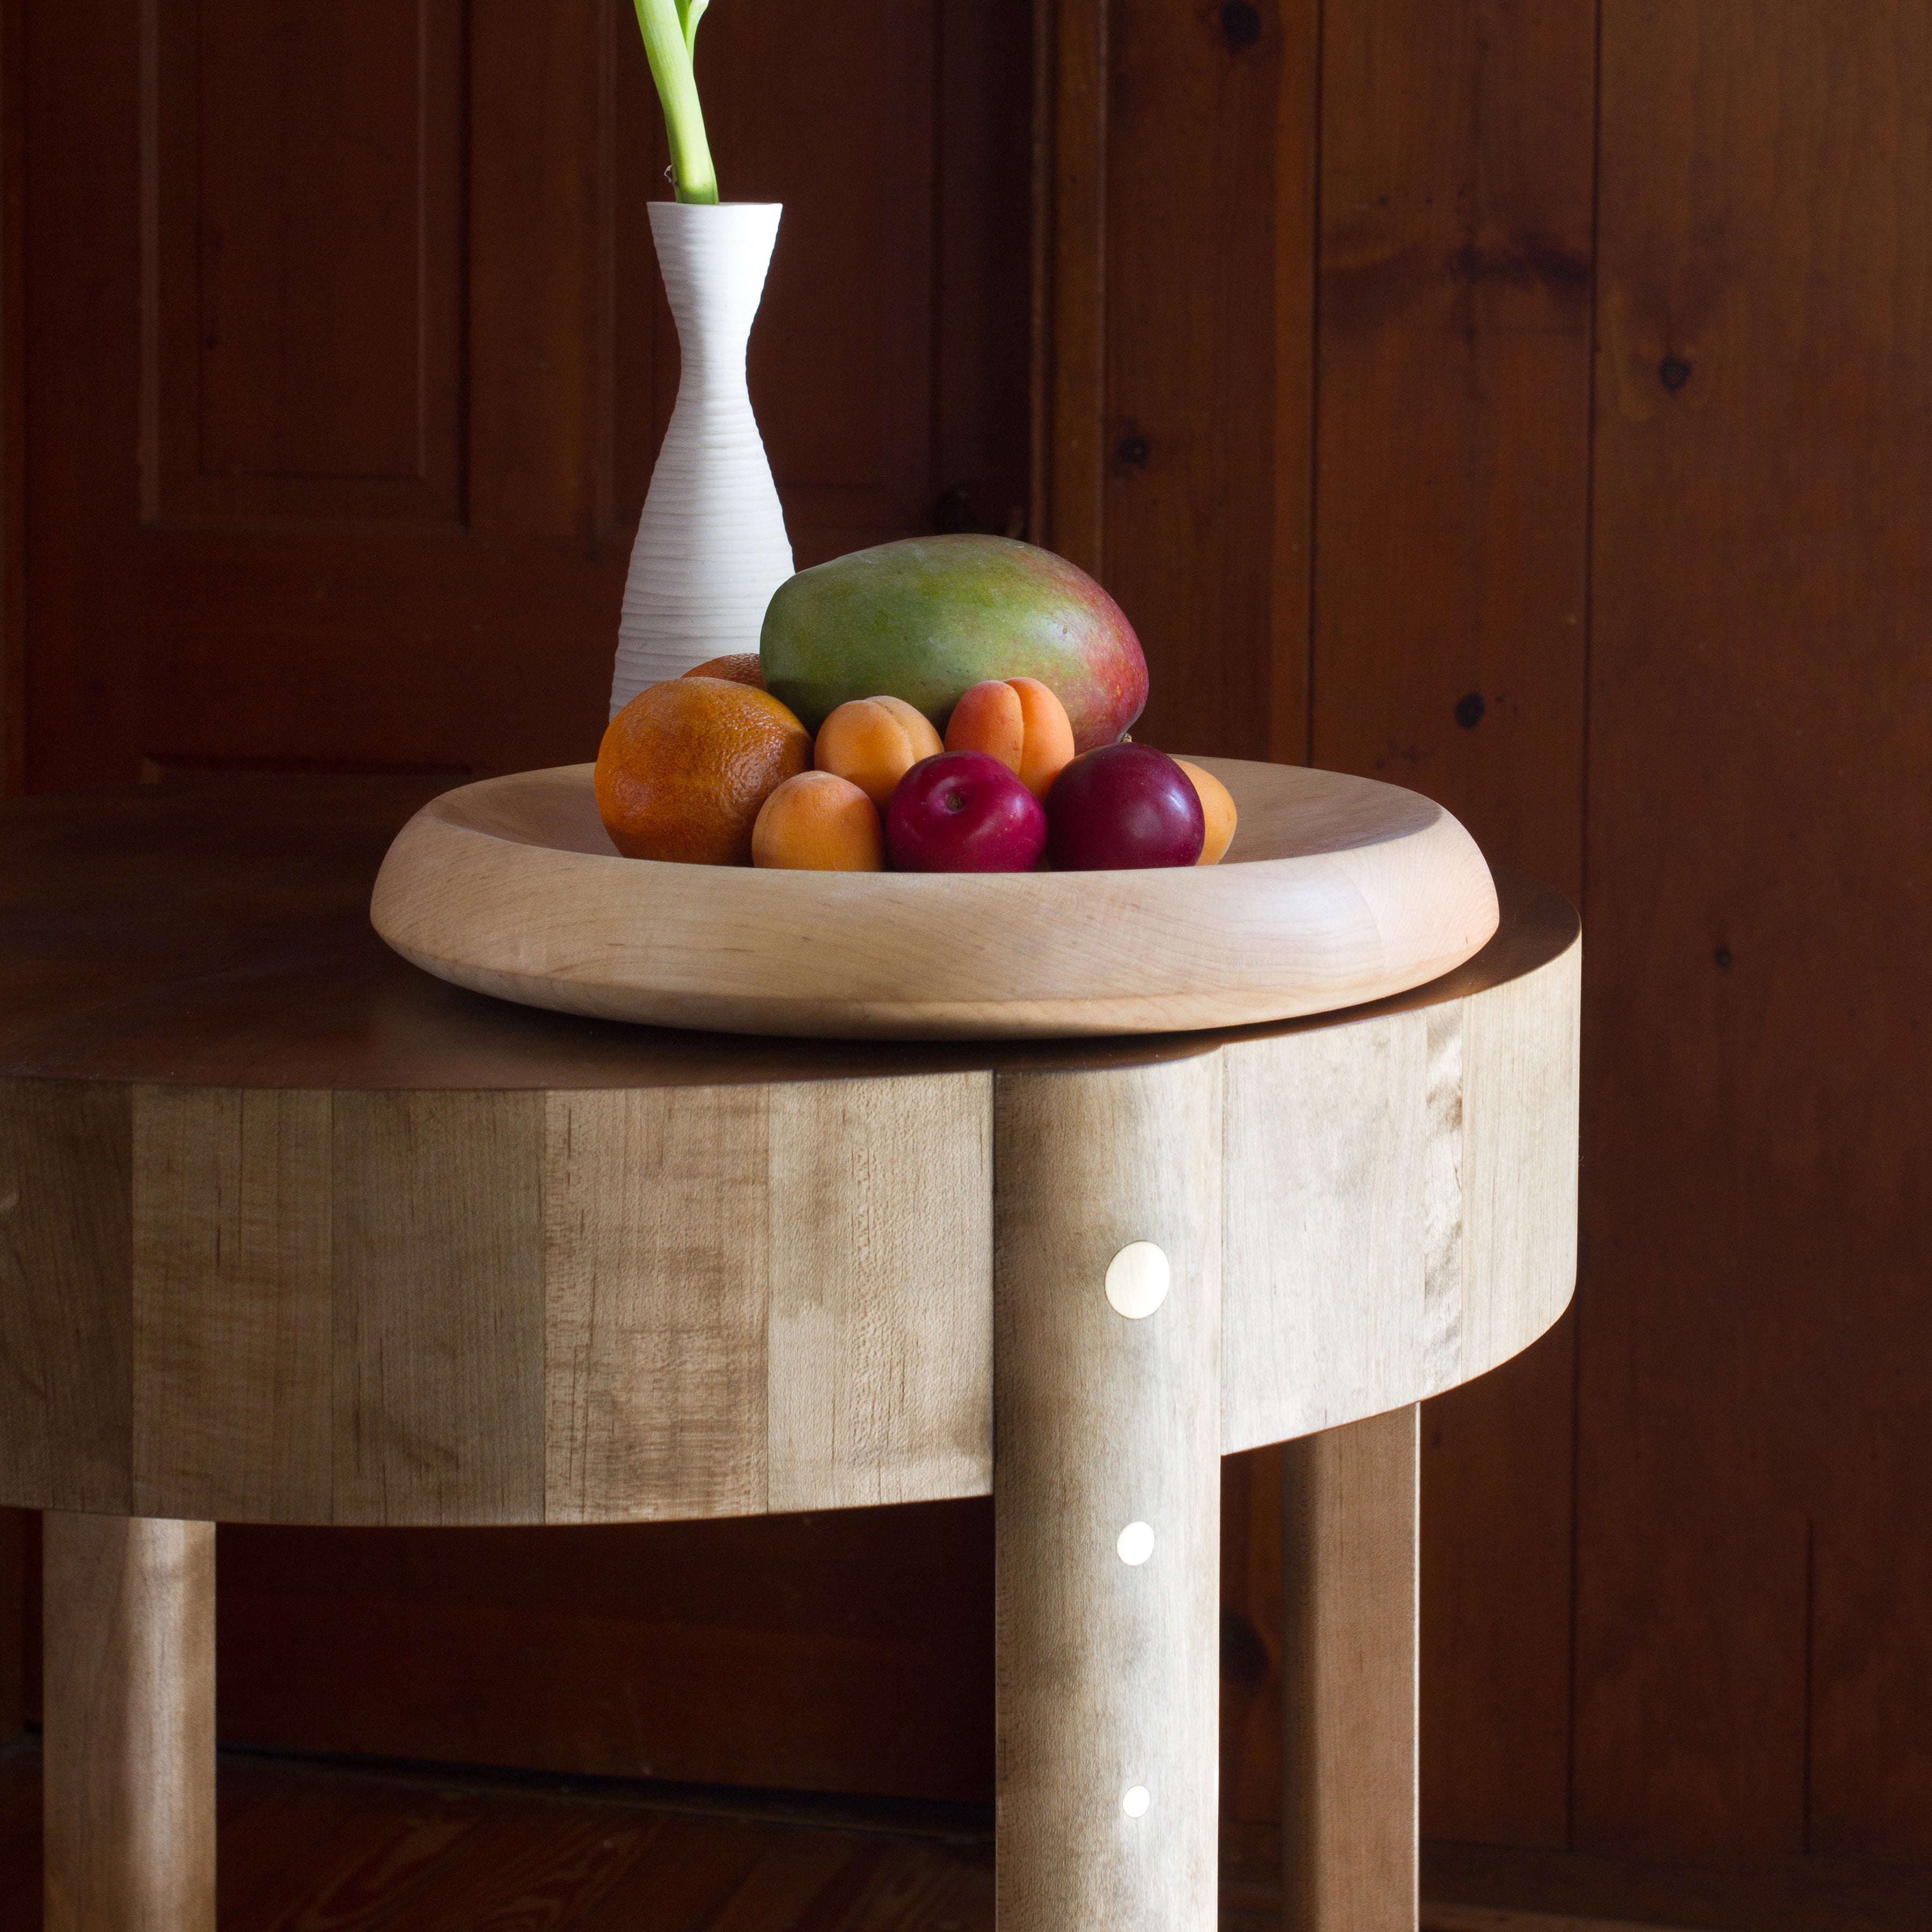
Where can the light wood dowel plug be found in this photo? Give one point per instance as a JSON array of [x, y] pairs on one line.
[[1107, 1408], [130, 1710], [1350, 1524]]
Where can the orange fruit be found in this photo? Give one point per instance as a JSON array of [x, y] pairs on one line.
[[1022, 723], [874, 741], [684, 766], [740, 667], [1217, 807], [818, 822]]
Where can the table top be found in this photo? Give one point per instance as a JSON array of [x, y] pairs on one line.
[[215, 933]]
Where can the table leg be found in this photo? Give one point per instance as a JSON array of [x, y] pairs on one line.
[[1349, 1551], [1107, 1423], [130, 1711]]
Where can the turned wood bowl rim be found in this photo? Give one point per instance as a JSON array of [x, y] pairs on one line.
[[1336, 891]]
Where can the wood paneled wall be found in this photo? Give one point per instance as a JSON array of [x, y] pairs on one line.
[[1530, 405], [13, 406], [369, 291]]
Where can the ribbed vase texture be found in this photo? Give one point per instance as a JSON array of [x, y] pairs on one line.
[[711, 545]]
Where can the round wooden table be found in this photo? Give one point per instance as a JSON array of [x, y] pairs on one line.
[[291, 1233]]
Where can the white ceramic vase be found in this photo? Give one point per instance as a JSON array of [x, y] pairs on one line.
[[711, 545]]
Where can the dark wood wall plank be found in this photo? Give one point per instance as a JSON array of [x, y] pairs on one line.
[[1070, 320], [1381, 411], [1189, 429], [1450, 486], [1297, 168], [13, 1623], [833, 111], [1754, 1319], [983, 209], [13, 402], [850, 1651], [1496, 1540], [1453, 410]]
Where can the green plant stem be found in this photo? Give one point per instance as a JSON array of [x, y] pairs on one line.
[[670, 33]]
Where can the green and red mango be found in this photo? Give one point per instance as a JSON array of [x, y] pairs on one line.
[[926, 619]]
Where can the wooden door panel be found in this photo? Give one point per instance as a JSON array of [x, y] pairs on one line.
[[303, 262], [371, 289]]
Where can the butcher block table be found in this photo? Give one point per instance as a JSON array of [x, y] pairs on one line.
[[291, 1232]]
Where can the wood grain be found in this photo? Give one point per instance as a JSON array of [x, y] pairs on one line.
[[1107, 1670], [1798, 1895], [13, 404], [1191, 455], [437, 1241], [277, 386], [657, 1211], [1328, 1137], [1296, 223], [233, 1303], [492, 400], [1350, 1607], [836, 1651], [1455, 284], [768, 1297], [1754, 1333], [1069, 347], [66, 1347], [13, 1623], [1333, 891], [455, 1210], [1453, 407], [881, 1318], [1387, 1230], [215, 933], [542, 285], [293, 1832], [709, 1294], [130, 1724]]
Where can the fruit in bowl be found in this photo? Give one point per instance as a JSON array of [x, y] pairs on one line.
[[685, 767], [818, 822], [1217, 809], [964, 811], [927, 618], [823, 751], [874, 741], [1123, 807], [1019, 721]]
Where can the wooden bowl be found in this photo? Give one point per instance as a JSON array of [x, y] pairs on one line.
[[1336, 891]]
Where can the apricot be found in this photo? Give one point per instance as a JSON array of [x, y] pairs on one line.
[[818, 822], [1020, 722], [1217, 807], [874, 742]]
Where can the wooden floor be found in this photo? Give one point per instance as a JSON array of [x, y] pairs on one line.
[[309, 1847]]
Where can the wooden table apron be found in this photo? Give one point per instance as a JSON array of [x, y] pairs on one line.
[[291, 1233]]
